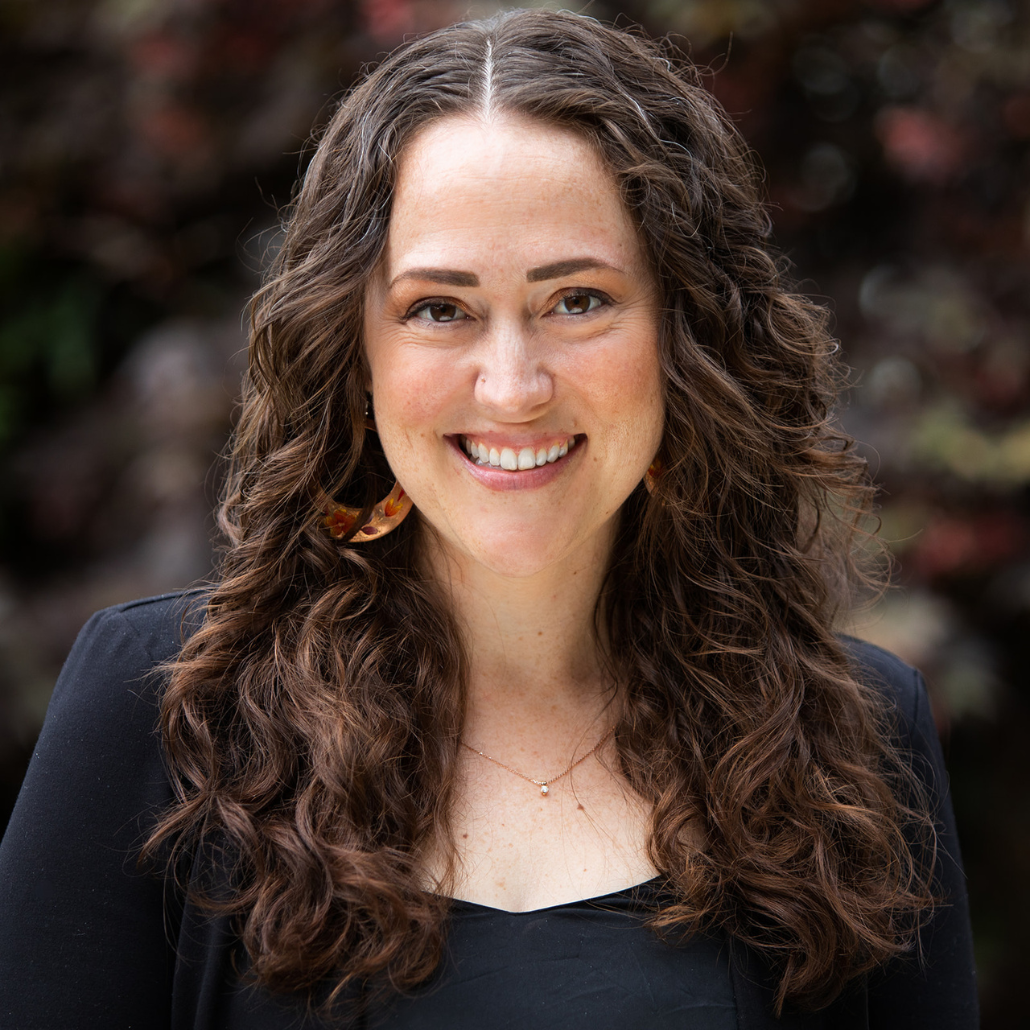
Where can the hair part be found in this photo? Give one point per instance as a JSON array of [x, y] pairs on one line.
[[312, 723]]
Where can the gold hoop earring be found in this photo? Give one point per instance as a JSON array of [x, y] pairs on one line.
[[653, 474], [386, 516]]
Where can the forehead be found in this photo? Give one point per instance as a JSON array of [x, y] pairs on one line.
[[444, 146], [505, 180]]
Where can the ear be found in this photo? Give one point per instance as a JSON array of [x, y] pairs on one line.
[[364, 373]]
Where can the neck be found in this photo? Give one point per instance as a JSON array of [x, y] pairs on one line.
[[536, 663]]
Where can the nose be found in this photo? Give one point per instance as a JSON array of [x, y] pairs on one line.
[[513, 379]]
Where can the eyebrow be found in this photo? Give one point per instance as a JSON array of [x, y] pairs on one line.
[[561, 268], [444, 276], [453, 277]]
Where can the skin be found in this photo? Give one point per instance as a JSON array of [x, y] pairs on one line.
[[514, 308]]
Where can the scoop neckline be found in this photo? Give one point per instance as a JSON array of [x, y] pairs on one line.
[[654, 881]]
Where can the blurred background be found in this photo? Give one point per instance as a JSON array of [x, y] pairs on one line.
[[145, 146]]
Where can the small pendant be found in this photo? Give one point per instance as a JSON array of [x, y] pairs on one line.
[[544, 789]]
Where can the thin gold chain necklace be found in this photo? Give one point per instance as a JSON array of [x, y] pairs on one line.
[[544, 785]]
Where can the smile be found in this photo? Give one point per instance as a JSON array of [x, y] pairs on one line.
[[520, 460]]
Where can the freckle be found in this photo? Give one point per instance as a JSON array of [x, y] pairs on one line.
[[540, 633]]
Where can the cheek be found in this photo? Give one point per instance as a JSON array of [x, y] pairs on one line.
[[626, 390], [411, 394]]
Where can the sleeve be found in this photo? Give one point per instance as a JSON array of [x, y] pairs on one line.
[[83, 940], [936, 988]]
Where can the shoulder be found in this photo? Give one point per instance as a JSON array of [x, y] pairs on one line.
[[909, 718], [157, 626], [110, 685], [900, 685], [138, 634], [99, 750]]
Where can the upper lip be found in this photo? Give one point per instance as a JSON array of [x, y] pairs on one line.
[[516, 441]]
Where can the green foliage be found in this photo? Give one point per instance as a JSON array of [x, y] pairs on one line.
[[49, 351]]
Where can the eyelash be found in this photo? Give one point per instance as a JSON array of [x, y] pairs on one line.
[[422, 305], [597, 295], [433, 302]]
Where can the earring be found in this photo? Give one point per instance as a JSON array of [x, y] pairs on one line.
[[386, 516], [653, 474]]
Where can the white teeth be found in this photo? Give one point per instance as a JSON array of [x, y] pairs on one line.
[[511, 460]]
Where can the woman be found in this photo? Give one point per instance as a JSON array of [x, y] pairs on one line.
[[517, 702]]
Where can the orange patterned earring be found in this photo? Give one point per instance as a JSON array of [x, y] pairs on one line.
[[653, 474], [386, 516]]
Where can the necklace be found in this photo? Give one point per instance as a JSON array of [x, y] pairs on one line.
[[544, 785]]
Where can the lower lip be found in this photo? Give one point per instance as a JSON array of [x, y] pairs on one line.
[[530, 479]]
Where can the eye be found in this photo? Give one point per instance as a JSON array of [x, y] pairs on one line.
[[578, 303], [438, 311]]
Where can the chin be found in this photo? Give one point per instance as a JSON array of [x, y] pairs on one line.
[[524, 550]]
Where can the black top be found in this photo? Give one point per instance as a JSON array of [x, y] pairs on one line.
[[88, 942], [584, 965], [578, 966]]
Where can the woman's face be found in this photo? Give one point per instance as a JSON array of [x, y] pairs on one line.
[[511, 333]]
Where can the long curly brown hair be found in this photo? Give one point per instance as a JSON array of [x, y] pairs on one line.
[[312, 723]]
